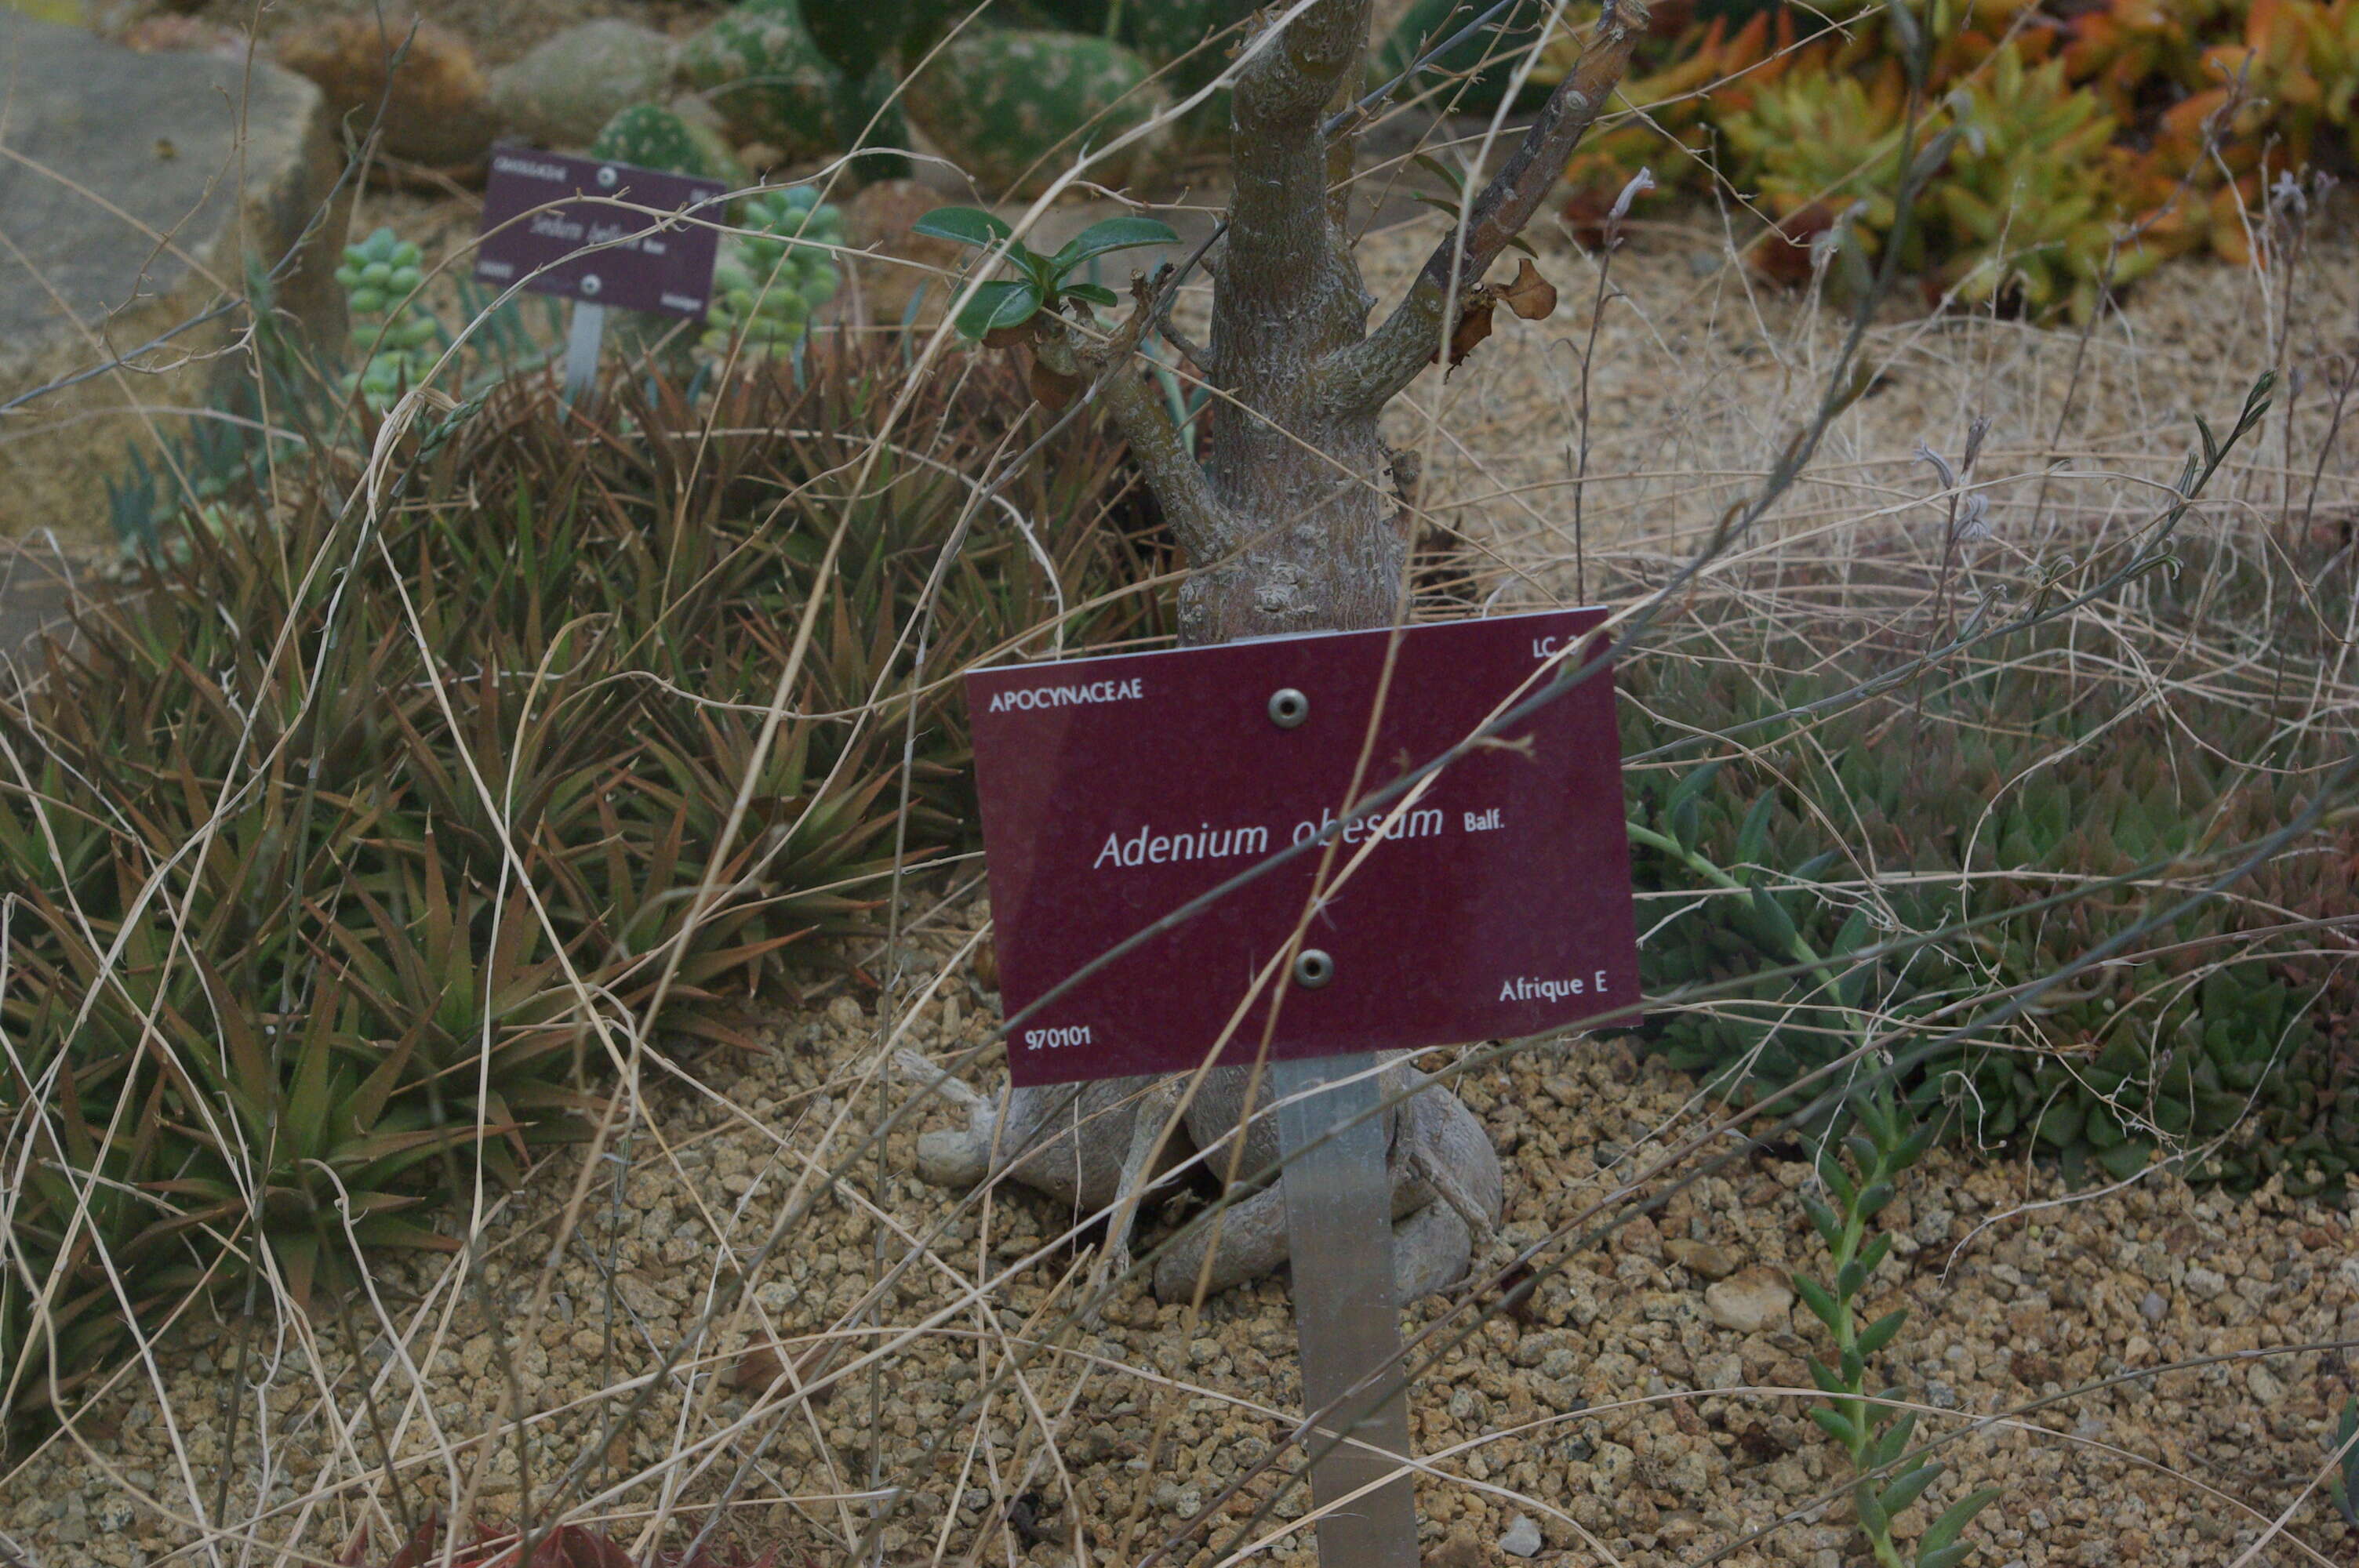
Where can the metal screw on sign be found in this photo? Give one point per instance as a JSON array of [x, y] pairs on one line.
[[1312, 968], [1288, 708]]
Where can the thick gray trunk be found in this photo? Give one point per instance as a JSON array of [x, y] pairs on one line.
[[1316, 546]]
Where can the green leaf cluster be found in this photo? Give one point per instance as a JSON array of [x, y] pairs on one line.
[[1993, 820], [769, 281], [1042, 283], [320, 891], [395, 336], [1859, 1174]]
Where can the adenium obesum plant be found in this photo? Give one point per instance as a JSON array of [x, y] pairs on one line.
[[1292, 520]]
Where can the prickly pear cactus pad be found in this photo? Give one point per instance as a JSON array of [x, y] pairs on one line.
[[651, 135], [768, 281], [397, 340], [760, 69], [1013, 108]]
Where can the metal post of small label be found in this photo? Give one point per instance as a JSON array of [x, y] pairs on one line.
[[1340, 1235], [582, 342]]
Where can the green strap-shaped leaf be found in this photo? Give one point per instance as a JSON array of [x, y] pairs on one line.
[[998, 305], [1952, 1523], [1908, 1489], [1837, 1425], [1816, 1297], [1111, 235], [1878, 1335], [963, 225]]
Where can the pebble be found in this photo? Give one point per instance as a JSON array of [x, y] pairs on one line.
[[1751, 1302], [1521, 1538], [1703, 1257], [2152, 1308]]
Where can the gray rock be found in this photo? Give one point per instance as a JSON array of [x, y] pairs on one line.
[[1521, 1538], [1702, 1258], [165, 139], [570, 85], [1751, 1302], [1720, 1371], [2205, 1284], [2152, 1308]]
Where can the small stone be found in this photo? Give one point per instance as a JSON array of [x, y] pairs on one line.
[[2264, 1384], [1461, 1550], [1750, 1303], [1611, 1468], [1521, 1538], [1722, 1371], [1703, 1257], [2152, 1308], [2206, 1285]]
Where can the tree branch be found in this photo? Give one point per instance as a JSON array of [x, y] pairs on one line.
[[1369, 374], [1199, 523]]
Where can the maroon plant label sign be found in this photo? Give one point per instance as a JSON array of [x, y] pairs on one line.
[[579, 228], [1495, 900]]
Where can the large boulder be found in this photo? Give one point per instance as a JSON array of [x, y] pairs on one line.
[[139, 189], [416, 85], [565, 91]]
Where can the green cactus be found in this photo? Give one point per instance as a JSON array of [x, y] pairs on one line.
[[398, 339], [760, 68], [768, 284], [653, 135], [856, 38], [1016, 107]]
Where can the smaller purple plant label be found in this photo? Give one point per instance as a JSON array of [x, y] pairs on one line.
[[598, 232]]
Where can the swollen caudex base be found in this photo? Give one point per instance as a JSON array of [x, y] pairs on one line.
[[1091, 1146]]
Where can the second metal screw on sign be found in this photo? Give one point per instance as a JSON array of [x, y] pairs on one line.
[[1288, 708]]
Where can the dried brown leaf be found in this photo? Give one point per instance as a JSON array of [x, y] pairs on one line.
[[1531, 295], [761, 1367], [1053, 388], [1474, 324]]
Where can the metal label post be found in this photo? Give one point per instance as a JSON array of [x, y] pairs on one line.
[[582, 340], [1340, 1233]]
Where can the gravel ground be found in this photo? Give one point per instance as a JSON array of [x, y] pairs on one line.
[[1649, 1410], [1701, 375]]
